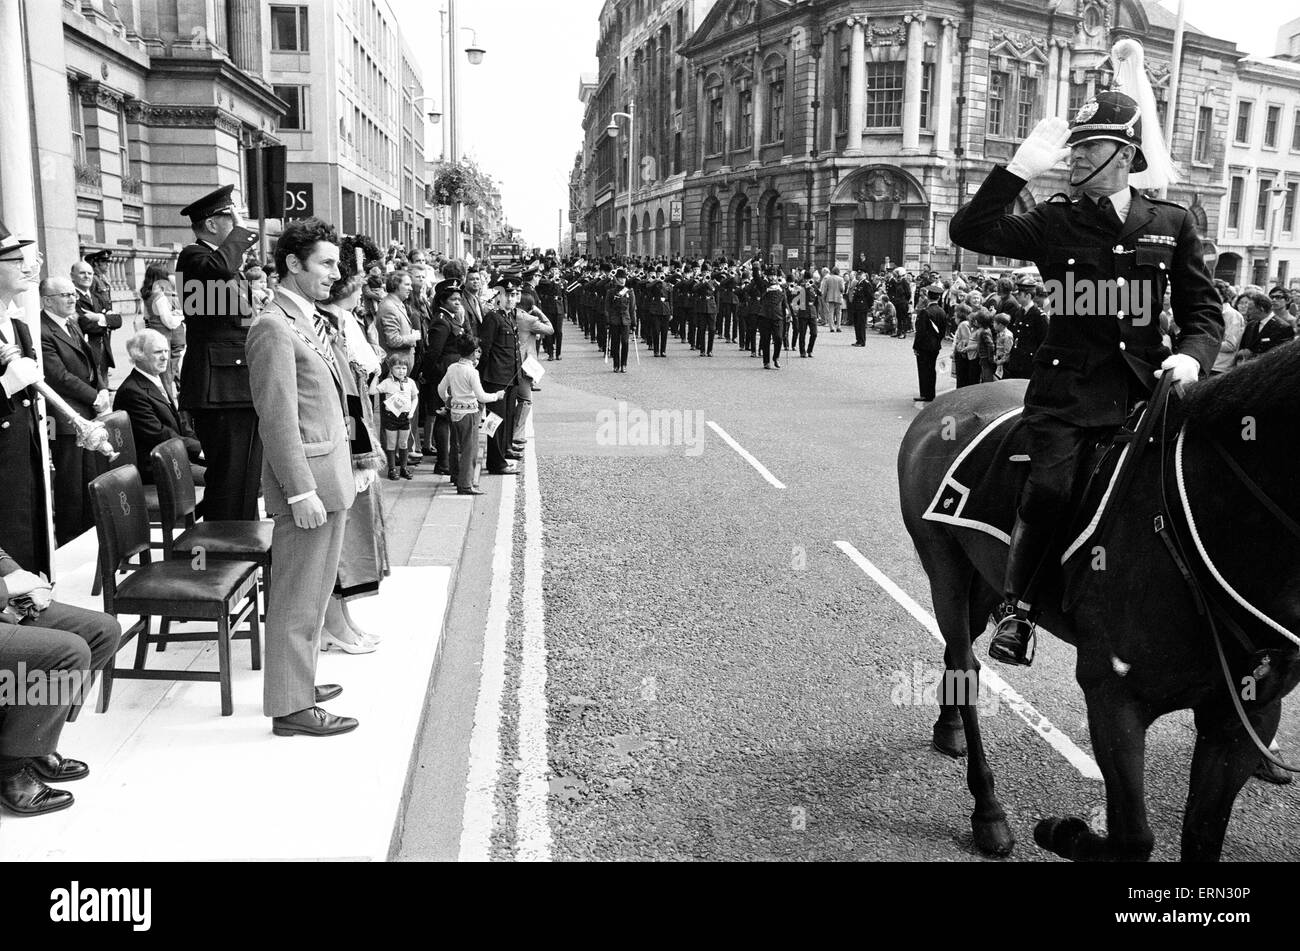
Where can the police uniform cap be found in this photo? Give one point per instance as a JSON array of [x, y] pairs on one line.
[[509, 282], [210, 204], [1110, 116], [99, 257], [444, 289]]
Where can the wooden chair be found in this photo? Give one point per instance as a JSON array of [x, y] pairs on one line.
[[185, 538], [224, 591], [118, 424]]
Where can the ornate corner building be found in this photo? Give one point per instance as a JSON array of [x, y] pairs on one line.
[[846, 131]]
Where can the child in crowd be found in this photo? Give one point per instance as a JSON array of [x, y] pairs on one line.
[[1003, 341], [986, 345], [463, 395], [400, 399]]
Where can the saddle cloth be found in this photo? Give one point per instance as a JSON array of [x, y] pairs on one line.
[[981, 490]]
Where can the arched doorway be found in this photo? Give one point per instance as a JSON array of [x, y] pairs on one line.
[[661, 229], [712, 228], [773, 212], [1228, 267], [647, 237], [743, 225], [879, 211], [620, 239]]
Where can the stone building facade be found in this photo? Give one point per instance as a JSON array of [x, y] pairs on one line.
[[842, 131]]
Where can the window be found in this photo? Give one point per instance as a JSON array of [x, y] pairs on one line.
[[715, 143], [289, 29], [1288, 210], [1261, 206], [677, 153], [997, 102], [678, 80], [123, 142], [1243, 121], [295, 120], [927, 81], [1026, 106], [843, 123], [1272, 119], [884, 95], [1078, 92], [1162, 112], [1295, 132], [776, 105], [745, 119], [78, 124], [1234, 201], [1201, 144]]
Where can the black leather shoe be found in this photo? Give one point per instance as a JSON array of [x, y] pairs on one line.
[[1011, 639], [313, 722], [58, 769], [25, 795], [327, 692], [469, 491]]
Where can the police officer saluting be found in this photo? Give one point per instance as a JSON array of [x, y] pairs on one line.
[[214, 382], [1092, 367]]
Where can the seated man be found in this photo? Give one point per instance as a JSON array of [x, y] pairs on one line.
[[39, 635], [144, 397]]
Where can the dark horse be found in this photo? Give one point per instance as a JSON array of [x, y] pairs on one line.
[[1143, 650]]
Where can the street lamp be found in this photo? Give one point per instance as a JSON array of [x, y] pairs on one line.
[[1278, 193], [474, 52], [612, 131]]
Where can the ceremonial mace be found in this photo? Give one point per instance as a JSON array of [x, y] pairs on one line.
[[91, 434]]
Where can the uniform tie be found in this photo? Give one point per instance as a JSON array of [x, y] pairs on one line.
[[1108, 211]]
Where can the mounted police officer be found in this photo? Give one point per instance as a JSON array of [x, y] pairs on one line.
[[1099, 357]]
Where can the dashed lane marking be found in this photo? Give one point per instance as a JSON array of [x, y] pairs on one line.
[[1075, 756], [745, 454]]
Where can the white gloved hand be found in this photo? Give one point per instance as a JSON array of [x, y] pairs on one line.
[[1186, 370], [365, 478], [1044, 148], [19, 375]]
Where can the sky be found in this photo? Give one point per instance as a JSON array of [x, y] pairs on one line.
[[522, 119]]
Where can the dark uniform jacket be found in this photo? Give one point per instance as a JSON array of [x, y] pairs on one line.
[[1029, 328], [706, 296], [500, 362], [553, 301], [930, 323], [1090, 368], [684, 296], [216, 324], [659, 299], [620, 305], [22, 509]]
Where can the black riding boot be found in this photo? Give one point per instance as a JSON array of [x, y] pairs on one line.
[[1017, 618]]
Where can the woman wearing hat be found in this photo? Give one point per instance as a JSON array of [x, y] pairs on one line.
[[445, 327]]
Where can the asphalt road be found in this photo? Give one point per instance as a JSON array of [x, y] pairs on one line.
[[721, 681]]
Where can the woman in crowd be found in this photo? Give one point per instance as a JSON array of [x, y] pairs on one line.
[[986, 345], [965, 348], [364, 562], [162, 312], [446, 327]]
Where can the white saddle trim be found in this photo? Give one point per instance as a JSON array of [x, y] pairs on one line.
[[932, 513], [1101, 509]]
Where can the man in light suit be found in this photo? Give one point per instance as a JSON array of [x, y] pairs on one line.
[[833, 299], [71, 370], [307, 478]]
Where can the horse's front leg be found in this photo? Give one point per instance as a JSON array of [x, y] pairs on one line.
[[1118, 725]]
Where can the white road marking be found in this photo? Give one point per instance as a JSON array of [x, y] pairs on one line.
[[744, 454], [533, 827], [1076, 757], [485, 740]]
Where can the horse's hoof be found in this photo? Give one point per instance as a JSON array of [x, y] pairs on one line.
[[993, 836], [1061, 835], [950, 740]]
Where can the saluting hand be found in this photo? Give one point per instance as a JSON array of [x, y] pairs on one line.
[[1044, 148]]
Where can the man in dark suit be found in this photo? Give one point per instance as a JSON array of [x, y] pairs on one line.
[[1101, 354], [95, 313], [147, 399], [23, 504], [71, 369], [473, 302], [1029, 328], [214, 387], [930, 325], [499, 369]]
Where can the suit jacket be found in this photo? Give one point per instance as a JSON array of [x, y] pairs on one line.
[[1097, 357], [299, 397], [833, 289], [71, 369], [500, 362], [218, 312], [396, 332], [99, 337], [154, 419], [473, 313], [1261, 336]]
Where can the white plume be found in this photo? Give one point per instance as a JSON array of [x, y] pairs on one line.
[[1129, 62]]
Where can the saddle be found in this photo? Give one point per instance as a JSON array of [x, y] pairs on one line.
[[981, 492]]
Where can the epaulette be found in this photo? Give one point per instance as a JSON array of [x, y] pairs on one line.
[[1165, 201]]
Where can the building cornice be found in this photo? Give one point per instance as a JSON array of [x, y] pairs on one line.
[[185, 117], [252, 87]]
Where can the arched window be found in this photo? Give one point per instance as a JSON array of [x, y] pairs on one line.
[[714, 132], [712, 227], [744, 221], [772, 224], [774, 121], [647, 236], [744, 130]]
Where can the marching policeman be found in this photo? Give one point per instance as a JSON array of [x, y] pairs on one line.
[[706, 311], [620, 305], [1096, 361], [659, 310], [214, 382], [554, 301]]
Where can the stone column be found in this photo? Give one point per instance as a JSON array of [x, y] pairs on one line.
[[912, 83], [941, 95], [760, 106], [244, 27], [702, 118], [1063, 80], [857, 84]]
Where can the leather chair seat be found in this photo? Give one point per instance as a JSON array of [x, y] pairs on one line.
[[179, 581], [249, 540]]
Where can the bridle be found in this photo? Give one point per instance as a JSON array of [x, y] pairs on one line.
[[1206, 605]]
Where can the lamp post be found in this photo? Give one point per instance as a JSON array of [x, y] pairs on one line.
[[816, 48], [474, 53], [1278, 195], [612, 131]]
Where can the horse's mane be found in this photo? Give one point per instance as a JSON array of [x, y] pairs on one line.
[[1267, 387]]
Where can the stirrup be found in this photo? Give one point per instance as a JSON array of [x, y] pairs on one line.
[[1013, 637]]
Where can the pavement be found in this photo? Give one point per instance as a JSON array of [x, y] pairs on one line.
[[173, 780], [667, 652]]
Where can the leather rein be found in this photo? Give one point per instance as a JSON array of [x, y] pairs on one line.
[[1206, 606]]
